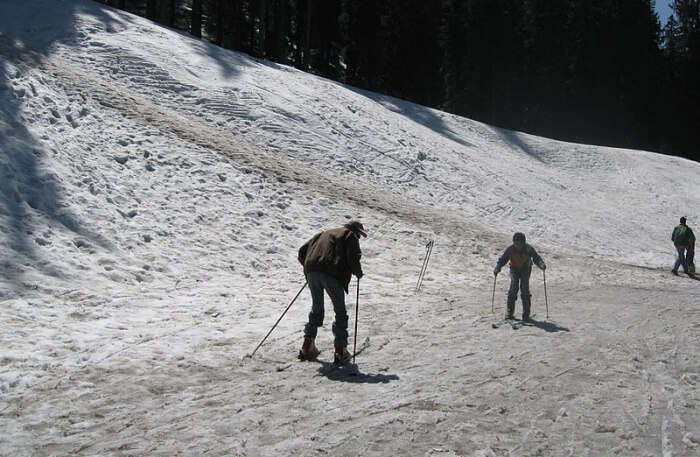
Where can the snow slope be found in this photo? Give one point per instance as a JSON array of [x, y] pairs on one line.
[[155, 190]]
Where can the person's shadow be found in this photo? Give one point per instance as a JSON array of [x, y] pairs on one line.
[[350, 372], [547, 326]]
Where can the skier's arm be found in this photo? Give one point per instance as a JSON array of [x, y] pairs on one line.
[[537, 259], [505, 257], [354, 254]]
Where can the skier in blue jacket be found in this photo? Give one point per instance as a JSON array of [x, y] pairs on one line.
[[521, 256]]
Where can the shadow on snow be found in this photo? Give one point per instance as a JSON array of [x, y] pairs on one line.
[[514, 140], [549, 326], [422, 115], [352, 374], [27, 190]]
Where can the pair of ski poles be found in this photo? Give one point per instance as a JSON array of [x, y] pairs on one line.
[[424, 268], [357, 310], [546, 302]]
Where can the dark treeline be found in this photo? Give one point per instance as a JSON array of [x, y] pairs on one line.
[[592, 71]]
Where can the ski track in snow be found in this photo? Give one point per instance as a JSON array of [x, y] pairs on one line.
[[152, 209]]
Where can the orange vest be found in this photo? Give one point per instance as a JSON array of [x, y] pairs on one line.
[[518, 259]]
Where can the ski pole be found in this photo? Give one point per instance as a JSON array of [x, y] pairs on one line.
[[493, 295], [278, 320], [357, 310], [546, 303]]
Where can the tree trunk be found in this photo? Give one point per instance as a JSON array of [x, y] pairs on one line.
[[279, 34], [219, 22], [306, 59], [196, 20], [260, 41], [151, 9]]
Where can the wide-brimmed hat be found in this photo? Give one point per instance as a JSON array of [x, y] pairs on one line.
[[357, 227]]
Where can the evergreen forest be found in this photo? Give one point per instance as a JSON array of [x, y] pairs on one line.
[[603, 72]]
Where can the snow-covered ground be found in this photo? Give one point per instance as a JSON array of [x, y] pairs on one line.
[[155, 190]]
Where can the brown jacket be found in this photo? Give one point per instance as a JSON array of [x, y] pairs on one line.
[[336, 252]]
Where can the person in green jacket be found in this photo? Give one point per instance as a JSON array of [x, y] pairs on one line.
[[684, 240], [330, 259]]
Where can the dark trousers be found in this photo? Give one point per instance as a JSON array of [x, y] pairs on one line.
[[680, 260], [690, 260], [519, 279], [318, 283]]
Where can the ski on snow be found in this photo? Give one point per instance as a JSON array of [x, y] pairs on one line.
[[500, 323], [514, 323]]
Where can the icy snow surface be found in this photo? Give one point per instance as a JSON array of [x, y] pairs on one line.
[[155, 190]]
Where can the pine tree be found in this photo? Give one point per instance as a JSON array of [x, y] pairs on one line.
[[196, 19], [682, 52]]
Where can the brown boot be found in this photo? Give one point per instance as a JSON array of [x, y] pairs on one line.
[[308, 351], [341, 355]]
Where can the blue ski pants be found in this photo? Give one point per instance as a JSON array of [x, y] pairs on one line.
[[519, 279], [318, 283], [680, 260]]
